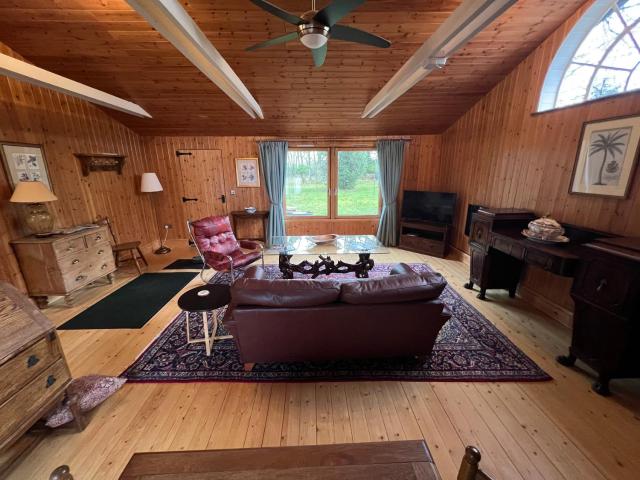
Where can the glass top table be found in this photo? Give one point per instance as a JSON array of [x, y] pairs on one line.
[[362, 245], [344, 244]]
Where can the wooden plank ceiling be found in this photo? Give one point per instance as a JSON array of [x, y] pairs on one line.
[[105, 44]]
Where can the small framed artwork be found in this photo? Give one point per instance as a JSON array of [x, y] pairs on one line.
[[607, 157], [23, 161], [247, 172]]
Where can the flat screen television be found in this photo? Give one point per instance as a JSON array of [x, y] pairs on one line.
[[436, 207]]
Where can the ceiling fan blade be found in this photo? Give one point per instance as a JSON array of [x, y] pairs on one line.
[[336, 10], [274, 41], [278, 12], [319, 54], [350, 34]]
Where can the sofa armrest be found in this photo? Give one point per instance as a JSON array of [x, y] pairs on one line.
[[402, 269]]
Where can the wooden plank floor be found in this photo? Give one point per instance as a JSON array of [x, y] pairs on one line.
[[550, 430]]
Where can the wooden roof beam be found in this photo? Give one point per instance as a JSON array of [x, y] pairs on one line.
[[14, 68], [463, 24], [172, 21]]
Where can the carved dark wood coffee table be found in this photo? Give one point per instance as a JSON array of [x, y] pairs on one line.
[[362, 245]]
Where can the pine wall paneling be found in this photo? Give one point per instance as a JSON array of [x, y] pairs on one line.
[[65, 125], [422, 164], [500, 154]]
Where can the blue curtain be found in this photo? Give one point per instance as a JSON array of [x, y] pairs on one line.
[[390, 160], [273, 158]]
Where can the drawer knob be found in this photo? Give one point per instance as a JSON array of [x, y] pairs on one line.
[[32, 360], [103, 266], [79, 278], [69, 249], [51, 380], [98, 238], [100, 252], [602, 285], [75, 262]]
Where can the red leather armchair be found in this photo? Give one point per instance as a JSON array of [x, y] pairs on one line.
[[218, 246]]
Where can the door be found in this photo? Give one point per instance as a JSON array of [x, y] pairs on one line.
[[203, 188]]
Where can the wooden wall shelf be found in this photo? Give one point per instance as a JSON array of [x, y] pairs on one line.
[[100, 162]]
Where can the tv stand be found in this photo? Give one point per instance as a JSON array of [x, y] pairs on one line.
[[425, 237]]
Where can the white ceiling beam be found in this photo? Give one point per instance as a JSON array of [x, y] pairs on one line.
[[171, 20], [460, 27], [14, 68]]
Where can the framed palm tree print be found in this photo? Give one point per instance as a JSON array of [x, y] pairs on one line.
[[607, 157]]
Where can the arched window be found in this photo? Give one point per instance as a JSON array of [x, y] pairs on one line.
[[599, 58]]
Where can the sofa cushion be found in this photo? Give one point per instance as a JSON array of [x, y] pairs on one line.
[[407, 287], [90, 392], [284, 293]]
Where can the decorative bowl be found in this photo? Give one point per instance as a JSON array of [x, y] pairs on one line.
[[250, 209], [545, 228], [320, 239], [533, 237]]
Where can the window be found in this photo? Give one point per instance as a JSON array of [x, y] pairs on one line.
[[358, 187], [599, 58], [332, 183], [307, 183]]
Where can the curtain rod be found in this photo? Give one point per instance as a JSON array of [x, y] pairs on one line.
[[356, 140]]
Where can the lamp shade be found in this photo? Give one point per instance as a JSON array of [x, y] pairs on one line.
[[150, 183], [32, 192]]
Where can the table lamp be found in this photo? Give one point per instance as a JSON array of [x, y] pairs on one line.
[[35, 194], [150, 183]]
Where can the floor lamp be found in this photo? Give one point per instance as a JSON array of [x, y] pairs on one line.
[[150, 183]]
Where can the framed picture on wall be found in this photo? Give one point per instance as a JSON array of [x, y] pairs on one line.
[[247, 172], [607, 157], [23, 161]]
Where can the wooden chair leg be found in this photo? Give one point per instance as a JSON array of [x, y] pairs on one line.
[[135, 259], [142, 256]]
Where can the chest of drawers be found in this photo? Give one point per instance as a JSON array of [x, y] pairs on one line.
[[62, 264], [33, 371]]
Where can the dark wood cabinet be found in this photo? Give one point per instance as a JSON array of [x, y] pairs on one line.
[[606, 327], [606, 286], [499, 251], [492, 263]]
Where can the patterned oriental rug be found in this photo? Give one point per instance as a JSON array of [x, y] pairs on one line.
[[468, 348]]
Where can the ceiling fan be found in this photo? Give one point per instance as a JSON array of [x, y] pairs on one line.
[[316, 27]]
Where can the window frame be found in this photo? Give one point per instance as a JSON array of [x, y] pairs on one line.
[[332, 190], [563, 58]]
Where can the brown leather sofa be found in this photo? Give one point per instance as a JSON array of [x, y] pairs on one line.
[[313, 320]]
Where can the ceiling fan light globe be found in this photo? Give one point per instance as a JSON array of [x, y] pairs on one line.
[[313, 40], [313, 35]]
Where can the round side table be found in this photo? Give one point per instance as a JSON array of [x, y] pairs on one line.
[[203, 300]]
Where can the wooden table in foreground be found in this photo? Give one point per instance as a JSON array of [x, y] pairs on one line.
[[406, 460]]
